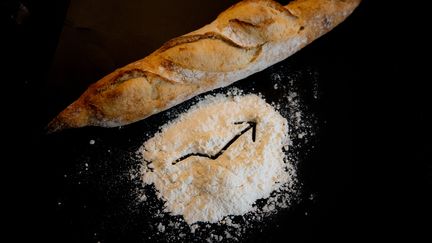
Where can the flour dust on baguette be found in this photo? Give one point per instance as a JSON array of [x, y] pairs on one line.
[[246, 38]]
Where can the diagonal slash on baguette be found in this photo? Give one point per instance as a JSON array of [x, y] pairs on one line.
[[244, 39]]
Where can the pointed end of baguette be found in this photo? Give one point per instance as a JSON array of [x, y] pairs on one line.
[[73, 116], [351, 4]]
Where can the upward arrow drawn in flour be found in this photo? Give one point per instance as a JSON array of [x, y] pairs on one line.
[[251, 125]]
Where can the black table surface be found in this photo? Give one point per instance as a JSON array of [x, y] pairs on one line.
[[69, 45]]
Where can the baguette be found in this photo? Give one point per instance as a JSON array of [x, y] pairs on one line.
[[246, 38]]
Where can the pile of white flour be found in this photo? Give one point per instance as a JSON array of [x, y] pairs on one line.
[[207, 189]]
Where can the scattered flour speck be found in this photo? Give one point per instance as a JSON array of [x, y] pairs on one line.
[[161, 227]]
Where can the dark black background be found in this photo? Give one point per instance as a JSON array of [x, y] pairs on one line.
[[374, 104]]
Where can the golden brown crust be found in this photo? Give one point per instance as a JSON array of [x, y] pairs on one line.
[[244, 39]]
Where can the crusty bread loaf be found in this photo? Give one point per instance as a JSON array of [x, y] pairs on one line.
[[244, 39]]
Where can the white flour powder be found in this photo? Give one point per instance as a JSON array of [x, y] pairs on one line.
[[226, 182]]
